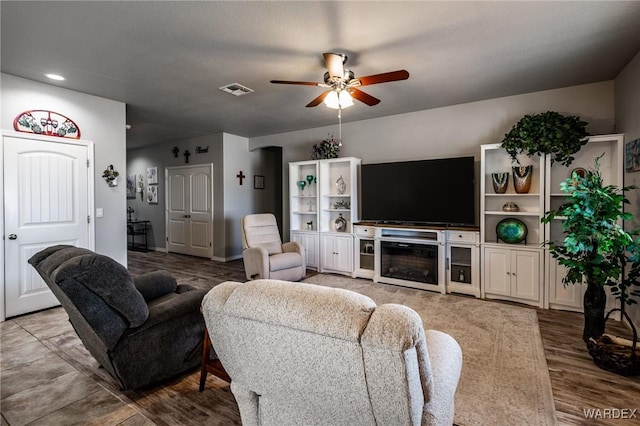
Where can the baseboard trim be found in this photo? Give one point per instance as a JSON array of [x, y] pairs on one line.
[[227, 259]]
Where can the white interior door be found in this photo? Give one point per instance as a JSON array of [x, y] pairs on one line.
[[189, 217], [46, 189]]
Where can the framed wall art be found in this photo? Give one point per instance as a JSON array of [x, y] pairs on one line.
[[258, 182], [632, 156], [152, 194], [152, 176], [132, 186]]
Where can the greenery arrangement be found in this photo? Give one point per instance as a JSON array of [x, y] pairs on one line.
[[110, 175], [547, 133], [328, 148], [596, 249]]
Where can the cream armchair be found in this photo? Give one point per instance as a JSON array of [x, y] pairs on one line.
[[264, 254], [302, 354]]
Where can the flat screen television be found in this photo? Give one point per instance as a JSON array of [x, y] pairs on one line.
[[439, 191]]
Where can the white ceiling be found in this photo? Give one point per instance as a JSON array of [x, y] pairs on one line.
[[166, 60]]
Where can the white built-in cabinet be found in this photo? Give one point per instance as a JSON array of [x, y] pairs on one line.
[[612, 172], [462, 262], [314, 209], [511, 271], [526, 272]]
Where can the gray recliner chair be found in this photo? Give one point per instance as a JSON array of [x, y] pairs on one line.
[[264, 254], [141, 330]]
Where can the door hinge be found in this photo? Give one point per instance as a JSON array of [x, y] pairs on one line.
[[88, 218], [209, 244], [167, 239], [87, 163]]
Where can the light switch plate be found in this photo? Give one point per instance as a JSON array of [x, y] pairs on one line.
[[99, 212]]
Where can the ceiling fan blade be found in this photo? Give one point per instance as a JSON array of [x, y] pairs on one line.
[[335, 64], [364, 97], [317, 101], [301, 83], [384, 77]]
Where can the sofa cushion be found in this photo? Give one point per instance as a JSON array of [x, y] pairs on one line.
[[278, 262]]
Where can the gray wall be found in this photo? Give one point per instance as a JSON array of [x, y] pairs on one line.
[[101, 121], [229, 154], [453, 131], [628, 122]]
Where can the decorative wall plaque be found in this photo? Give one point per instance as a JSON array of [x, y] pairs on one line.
[[47, 123]]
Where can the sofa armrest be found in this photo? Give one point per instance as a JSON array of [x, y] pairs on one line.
[[155, 284], [296, 247], [256, 263], [445, 357]]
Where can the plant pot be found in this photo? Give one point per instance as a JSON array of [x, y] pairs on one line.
[[595, 299]]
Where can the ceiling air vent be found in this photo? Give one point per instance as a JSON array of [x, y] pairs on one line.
[[236, 89]]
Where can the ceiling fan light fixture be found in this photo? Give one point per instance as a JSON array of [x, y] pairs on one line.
[[338, 100]]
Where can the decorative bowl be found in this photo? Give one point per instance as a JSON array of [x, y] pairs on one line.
[[510, 206], [511, 230]]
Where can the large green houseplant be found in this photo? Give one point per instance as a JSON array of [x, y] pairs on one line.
[[547, 133], [596, 249]]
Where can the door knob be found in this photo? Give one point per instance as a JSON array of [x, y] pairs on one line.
[[12, 236]]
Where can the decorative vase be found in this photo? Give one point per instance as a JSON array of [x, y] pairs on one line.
[[522, 178], [341, 186], [595, 300], [500, 181], [341, 224]]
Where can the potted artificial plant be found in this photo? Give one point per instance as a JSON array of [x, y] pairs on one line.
[[546, 133], [598, 251]]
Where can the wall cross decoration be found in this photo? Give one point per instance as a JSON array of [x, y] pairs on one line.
[[240, 176], [186, 156]]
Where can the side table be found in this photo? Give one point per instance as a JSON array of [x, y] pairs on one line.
[[213, 366]]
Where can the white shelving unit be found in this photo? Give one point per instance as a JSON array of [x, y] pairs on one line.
[[612, 170], [364, 258], [303, 205], [511, 271], [315, 209]]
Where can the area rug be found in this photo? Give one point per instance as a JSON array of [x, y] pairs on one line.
[[505, 379]]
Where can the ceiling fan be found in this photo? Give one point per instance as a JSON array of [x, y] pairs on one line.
[[343, 85]]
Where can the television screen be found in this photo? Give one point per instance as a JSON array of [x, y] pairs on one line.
[[439, 191]]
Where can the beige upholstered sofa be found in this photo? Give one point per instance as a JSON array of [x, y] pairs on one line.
[[301, 354], [265, 256]]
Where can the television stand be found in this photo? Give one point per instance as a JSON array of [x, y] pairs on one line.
[[440, 259]]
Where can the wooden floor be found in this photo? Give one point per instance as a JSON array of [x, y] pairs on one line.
[[577, 383]]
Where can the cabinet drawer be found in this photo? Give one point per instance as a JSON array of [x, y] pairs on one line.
[[462, 237], [364, 231]]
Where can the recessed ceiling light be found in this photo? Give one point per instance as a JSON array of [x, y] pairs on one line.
[[55, 77]]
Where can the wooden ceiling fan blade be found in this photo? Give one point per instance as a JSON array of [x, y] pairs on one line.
[[335, 64], [301, 83], [364, 97], [384, 77], [317, 101]]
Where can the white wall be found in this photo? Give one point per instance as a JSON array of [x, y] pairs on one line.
[[627, 91], [453, 131], [101, 121]]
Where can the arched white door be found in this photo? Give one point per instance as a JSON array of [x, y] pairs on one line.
[[46, 202]]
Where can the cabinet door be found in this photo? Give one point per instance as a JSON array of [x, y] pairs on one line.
[[310, 244], [328, 257], [344, 250], [525, 274], [569, 296], [497, 276]]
